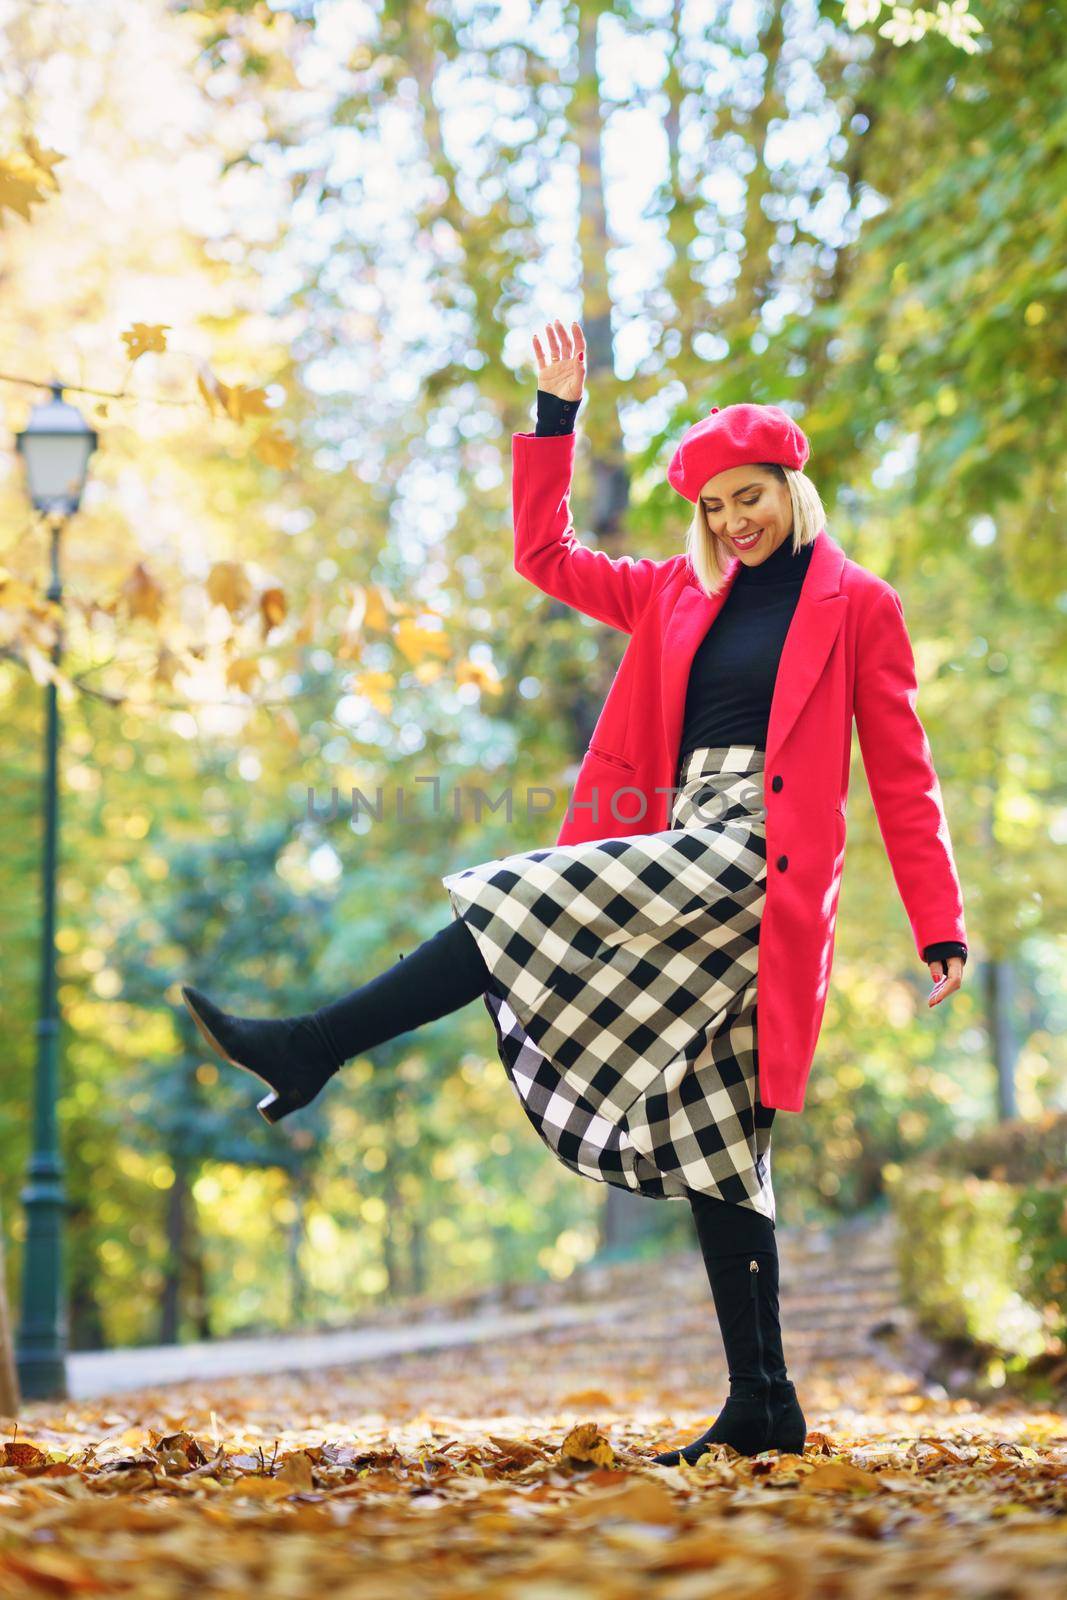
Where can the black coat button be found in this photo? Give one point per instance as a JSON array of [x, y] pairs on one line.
[[776, 783], [783, 862]]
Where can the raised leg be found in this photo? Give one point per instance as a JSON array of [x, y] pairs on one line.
[[443, 973], [296, 1056]]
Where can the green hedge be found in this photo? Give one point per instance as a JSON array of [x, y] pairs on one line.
[[983, 1238]]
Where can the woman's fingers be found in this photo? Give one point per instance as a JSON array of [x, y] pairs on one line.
[[562, 346], [948, 977]]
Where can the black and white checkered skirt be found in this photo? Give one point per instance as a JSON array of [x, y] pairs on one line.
[[623, 989]]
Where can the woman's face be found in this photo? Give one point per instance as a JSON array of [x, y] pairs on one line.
[[743, 501]]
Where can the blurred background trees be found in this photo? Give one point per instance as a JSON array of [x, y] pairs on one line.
[[301, 251]]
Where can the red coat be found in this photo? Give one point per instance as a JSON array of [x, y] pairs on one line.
[[847, 652]]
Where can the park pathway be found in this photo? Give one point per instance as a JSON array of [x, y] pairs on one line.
[[839, 1293]]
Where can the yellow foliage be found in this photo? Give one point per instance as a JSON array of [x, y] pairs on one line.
[[25, 176], [275, 449], [273, 609], [376, 614], [305, 633], [228, 585], [587, 1445], [374, 687], [242, 673], [142, 595], [417, 642], [483, 675], [144, 337], [242, 402]]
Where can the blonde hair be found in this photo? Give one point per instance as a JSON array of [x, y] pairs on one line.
[[708, 555]]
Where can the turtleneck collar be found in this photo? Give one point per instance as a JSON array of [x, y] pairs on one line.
[[782, 566]]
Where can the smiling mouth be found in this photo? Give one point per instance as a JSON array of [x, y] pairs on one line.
[[748, 541]]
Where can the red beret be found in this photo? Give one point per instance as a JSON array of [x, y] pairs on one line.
[[738, 436]]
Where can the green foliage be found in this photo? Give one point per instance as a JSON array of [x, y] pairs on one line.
[[1015, 1152], [896, 285], [984, 1258]]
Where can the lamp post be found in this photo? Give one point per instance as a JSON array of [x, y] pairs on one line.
[[55, 445]]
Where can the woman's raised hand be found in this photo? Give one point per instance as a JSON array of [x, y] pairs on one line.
[[563, 372]]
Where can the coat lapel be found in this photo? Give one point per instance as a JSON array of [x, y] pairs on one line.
[[818, 616]]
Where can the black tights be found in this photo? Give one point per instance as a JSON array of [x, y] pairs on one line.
[[445, 972], [442, 974]]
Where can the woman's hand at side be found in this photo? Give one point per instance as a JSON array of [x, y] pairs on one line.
[[562, 373], [946, 984]]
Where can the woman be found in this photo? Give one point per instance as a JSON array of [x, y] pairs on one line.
[[620, 966]]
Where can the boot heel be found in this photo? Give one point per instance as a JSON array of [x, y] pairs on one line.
[[274, 1106], [292, 1065]]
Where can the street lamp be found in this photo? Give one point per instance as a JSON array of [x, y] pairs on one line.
[[55, 445]]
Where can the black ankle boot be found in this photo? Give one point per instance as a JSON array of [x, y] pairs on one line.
[[293, 1056], [768, 1418], [762, 1411]]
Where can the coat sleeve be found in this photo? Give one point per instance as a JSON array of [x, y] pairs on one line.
[[900, 772], [614, 590]]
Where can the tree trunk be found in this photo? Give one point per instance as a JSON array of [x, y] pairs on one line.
[[627, 1219], [391, 1227], [297, 1277], [170, 1300], [185, 1287], [417, 1254], [85, 1312], [998, 981], [997, 971], [9, 1387], [199, 1296]]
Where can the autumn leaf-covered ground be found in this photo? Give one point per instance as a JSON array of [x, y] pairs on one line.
[[523, 1470]]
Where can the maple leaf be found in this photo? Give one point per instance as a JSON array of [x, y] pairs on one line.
[[586, 1446], [142, 595], [275, 449], [19, 190], [167, 665], [374, 686], [144, 337], [21, 1454], [417, 642], [242, 673], [241, 402], [228, 585], [480, 673], [45, 161], [14, 593], [377, 611], [296, 1470], [273, 609]]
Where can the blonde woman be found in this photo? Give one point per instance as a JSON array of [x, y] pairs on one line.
[[699, 862]]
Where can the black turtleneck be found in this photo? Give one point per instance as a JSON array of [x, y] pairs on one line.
[[731, 680]]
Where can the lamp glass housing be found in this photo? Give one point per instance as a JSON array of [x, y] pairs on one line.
[[56, 445]]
